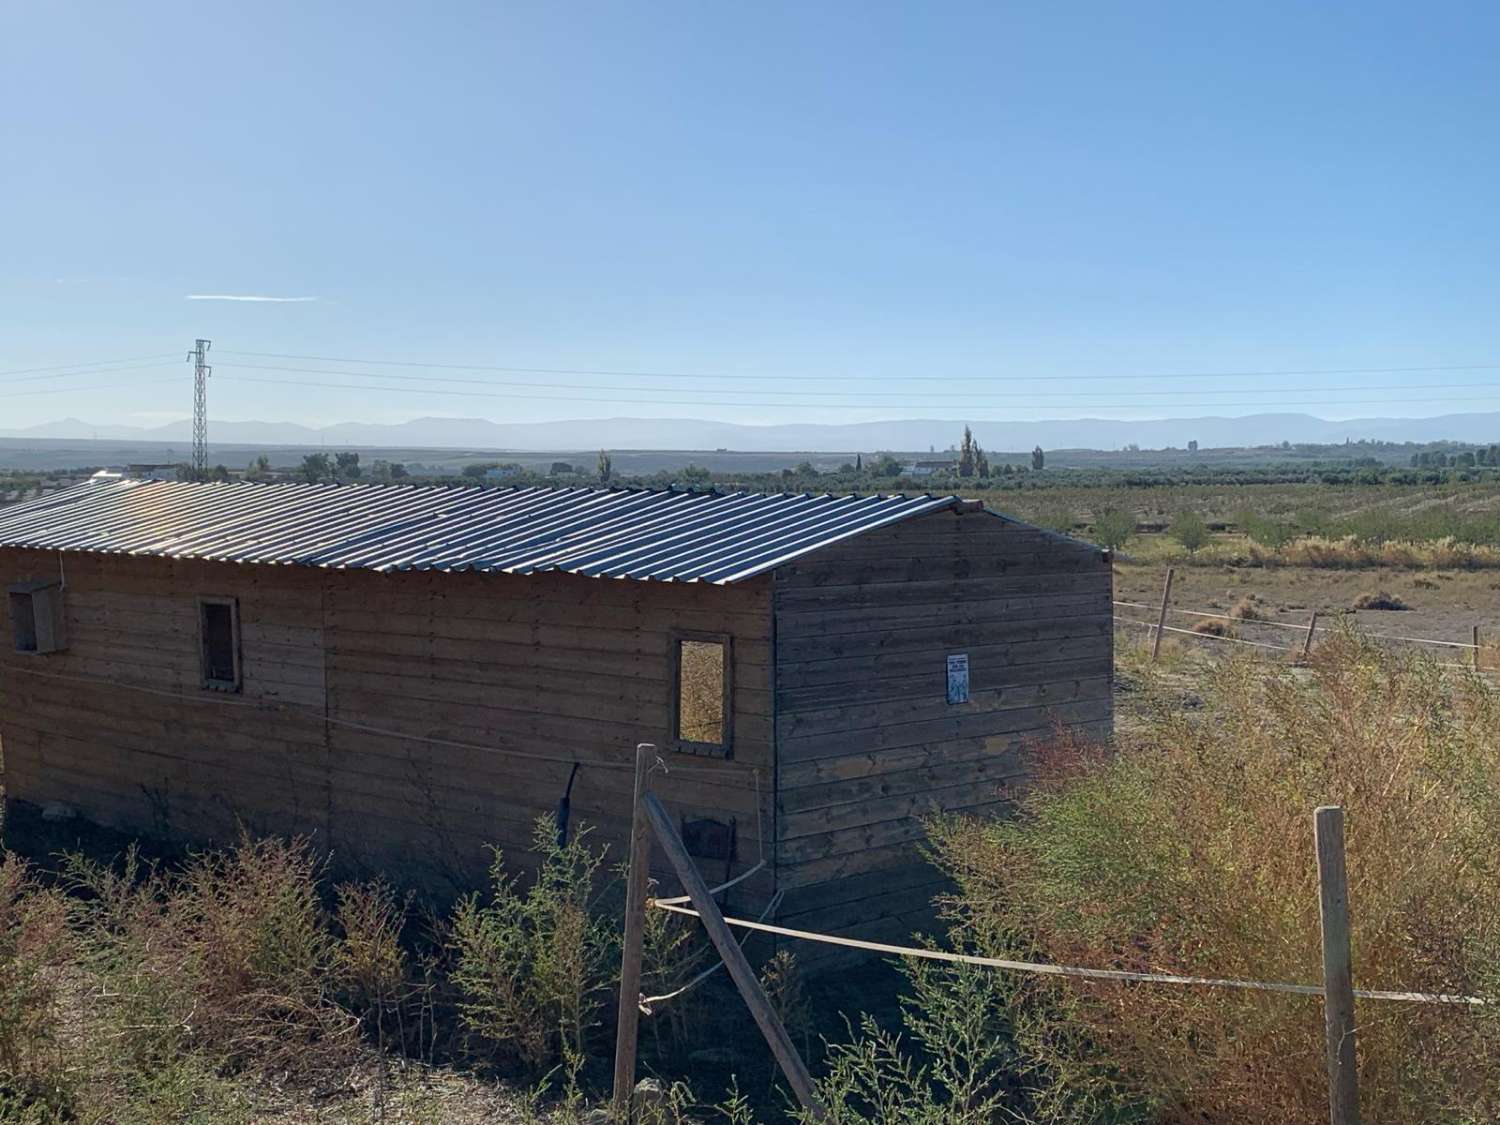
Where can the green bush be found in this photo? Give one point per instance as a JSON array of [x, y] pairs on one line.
[[533, 964], [953, 1067]]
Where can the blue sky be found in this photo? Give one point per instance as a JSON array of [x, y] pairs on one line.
[[821, 212]]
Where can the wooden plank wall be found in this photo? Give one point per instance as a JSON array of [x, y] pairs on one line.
[[349, 677], [867, 742]]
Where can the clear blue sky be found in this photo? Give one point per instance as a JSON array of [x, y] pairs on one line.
[[1012, 195]]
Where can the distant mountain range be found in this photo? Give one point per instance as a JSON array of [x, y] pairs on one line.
[[898, 434]]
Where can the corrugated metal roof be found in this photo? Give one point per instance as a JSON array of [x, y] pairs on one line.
[[718, 537]]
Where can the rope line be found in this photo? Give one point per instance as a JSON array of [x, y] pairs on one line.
[[646, 1001], [1076, 971]]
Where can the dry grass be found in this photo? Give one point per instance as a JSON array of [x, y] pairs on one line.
[[1190, 851]]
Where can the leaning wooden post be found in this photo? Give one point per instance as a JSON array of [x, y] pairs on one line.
[[1338, 980], [628, 1021], [1476, 648], [1312, 627], [734, 959], [1161, 620]]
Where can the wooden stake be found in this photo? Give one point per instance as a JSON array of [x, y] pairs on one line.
[[1476, 648], [1312, 627], [734, 959], [629, 1018], [1161, 620], [1338, 980]]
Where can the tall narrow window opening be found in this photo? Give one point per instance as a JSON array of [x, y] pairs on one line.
[[702, 695], [219, 632]]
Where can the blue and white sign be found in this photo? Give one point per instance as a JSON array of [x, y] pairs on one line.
[[958, 678]]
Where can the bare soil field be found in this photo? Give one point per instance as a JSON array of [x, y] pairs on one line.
[[1442, 605]]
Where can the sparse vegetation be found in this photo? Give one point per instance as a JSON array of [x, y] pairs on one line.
[[1189, 851]]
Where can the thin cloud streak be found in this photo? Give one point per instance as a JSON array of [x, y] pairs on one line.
[[249, 297]]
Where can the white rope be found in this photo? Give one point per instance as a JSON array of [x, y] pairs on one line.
[[716, 891], [646, 1001], [1074, 971]]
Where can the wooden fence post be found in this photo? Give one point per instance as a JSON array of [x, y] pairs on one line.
[[1338, 980], [1476, 647], [1312, 627], [1161, 620], [734, 959], [629, 1012]]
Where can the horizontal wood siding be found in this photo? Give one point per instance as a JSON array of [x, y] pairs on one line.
[[868, 744], [410, 722]]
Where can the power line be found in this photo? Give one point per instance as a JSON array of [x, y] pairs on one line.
[[638, 401], [87, 369], [93, 363], [1029, 395], [90, 387], [868, 378]]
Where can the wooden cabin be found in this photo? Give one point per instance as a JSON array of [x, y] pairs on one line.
[[410, 675]]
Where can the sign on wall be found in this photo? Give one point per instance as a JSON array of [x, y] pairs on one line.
[[958, 678]]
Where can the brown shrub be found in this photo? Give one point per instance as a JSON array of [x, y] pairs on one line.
[[34, 945], [231, 956], [1247, 608], [1379, 599], [1214, 627], [1189, 850]]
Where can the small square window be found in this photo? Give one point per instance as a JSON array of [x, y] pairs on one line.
[[219, 637], [702, 697], [36, 616]]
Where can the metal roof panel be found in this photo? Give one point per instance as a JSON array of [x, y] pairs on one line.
[[644, 534]]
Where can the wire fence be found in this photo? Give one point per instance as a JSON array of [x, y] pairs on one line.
[[1305, 632]]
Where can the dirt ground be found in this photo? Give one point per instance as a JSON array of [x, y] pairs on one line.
[[1443, 605]]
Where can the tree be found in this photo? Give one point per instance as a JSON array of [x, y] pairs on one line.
[[886, 466], [981, 461], [261, 465], [346, 466], [1189, 529], [1038, 459], [606, 467], [316, 467], [477, 470], [1267, 532], [1193, 446], [859, 463], [1113, 528], [219, 473], [398, 471], [966, 454]]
